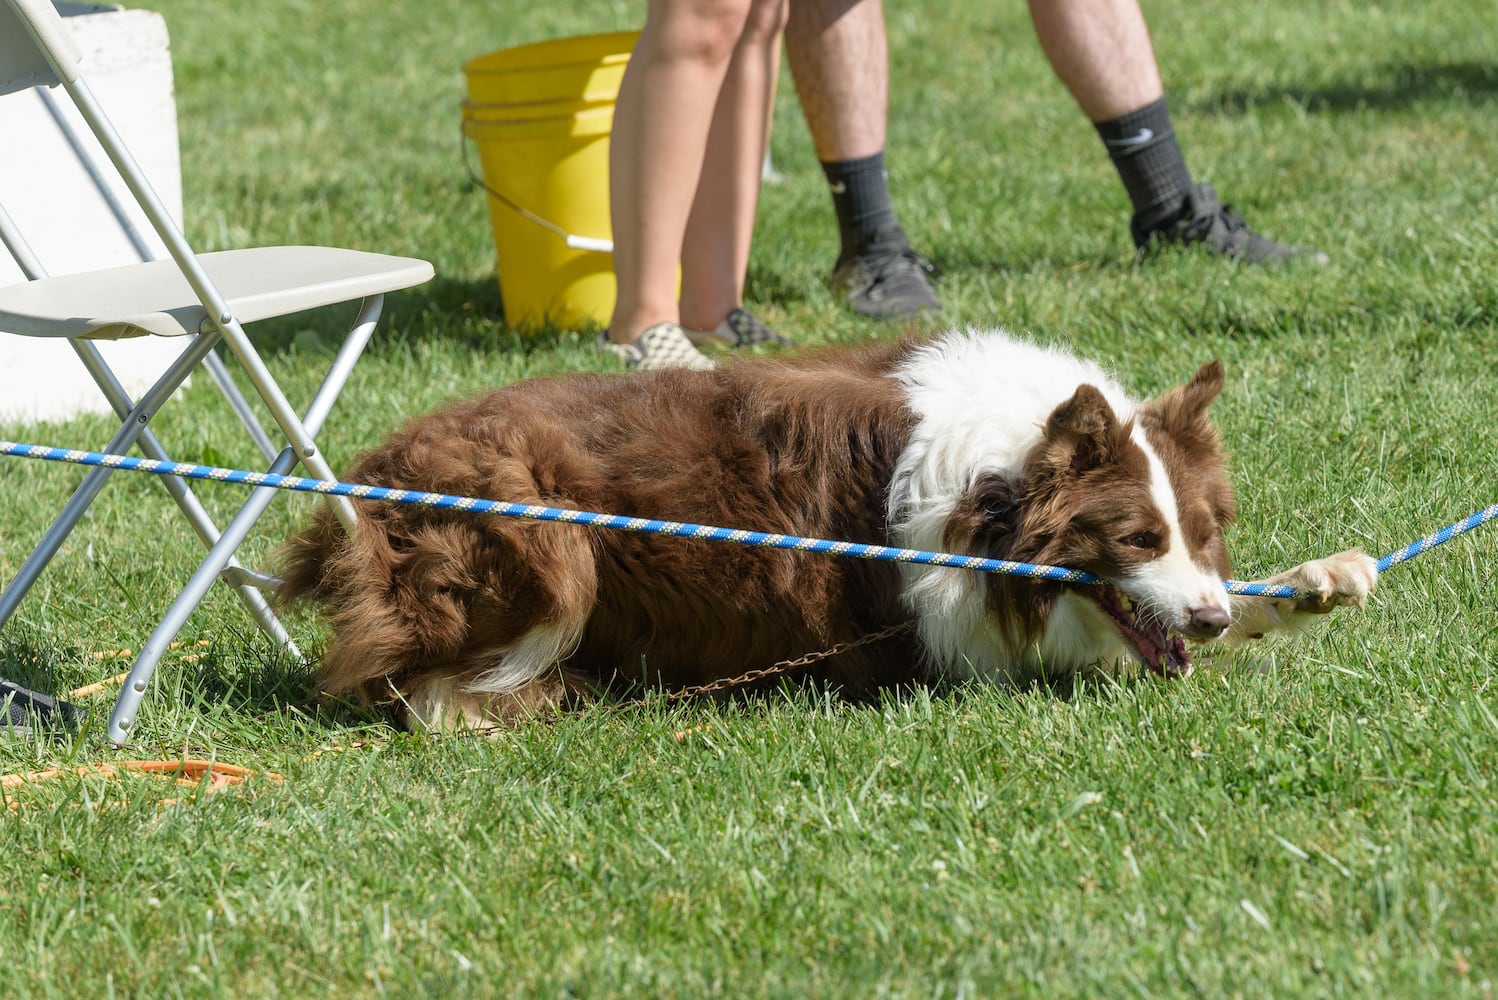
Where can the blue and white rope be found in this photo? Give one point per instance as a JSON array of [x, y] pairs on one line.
[[1446, 534], [706, 532]]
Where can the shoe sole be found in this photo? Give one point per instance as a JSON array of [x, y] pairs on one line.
[[893, 312], [709, 338]]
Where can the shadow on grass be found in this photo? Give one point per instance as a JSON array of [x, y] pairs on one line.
[[1399, 86], [30, 664], [468, 313], [772, 284], [265, 688], [264, 684], [814, 688], [250, 683], [1044, 263]]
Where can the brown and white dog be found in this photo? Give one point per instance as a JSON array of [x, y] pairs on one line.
[[972, 442]]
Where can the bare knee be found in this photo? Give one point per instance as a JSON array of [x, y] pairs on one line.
[[765, 23], [705, 33]]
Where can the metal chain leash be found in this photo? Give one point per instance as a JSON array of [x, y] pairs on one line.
[[773, 670], [722, 684]]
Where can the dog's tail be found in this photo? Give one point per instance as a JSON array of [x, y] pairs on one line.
[[302, 561]]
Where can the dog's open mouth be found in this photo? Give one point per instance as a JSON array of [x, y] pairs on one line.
[[1162, 652]]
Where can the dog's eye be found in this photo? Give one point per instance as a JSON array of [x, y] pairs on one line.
[[1142, 540]]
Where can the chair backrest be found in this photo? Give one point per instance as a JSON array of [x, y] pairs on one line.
[[35, 47], [39, 23]]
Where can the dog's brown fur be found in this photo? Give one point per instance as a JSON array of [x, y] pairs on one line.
[[421, 597]]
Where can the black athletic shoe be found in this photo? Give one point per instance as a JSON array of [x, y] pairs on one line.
[[22, 710], [1207, 221], [887, 279]]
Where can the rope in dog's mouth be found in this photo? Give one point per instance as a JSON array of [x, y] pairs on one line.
[[702, 532]]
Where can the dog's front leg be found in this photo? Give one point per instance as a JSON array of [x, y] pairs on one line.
[[1345, 579]]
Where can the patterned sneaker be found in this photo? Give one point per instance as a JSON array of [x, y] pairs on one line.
[[740, 328], [1206, 220], [887, 279], [664, 345]]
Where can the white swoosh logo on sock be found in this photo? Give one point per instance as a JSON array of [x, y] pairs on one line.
[[837, 187], [1144, 135]]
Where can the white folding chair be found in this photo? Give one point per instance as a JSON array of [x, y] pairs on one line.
[[204, 299]]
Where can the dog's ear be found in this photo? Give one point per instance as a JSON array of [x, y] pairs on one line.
[[1182, 412], [1082, 433]]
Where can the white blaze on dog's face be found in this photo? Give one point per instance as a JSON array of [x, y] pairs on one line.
[[1142, 504]]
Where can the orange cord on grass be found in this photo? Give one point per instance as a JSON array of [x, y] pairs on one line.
[[125, 654], [208, 775], [92, 689]]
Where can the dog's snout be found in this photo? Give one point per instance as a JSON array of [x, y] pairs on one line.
[[1207, 622]]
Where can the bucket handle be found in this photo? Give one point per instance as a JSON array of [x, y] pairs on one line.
[[573, 242]]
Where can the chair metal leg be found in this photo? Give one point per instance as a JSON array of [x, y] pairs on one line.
[[127, 706], [343, 363], [134, 425], [255, 603], [202, 580], [296, 430]]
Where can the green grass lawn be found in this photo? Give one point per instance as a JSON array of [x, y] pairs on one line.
[[1323, 822]]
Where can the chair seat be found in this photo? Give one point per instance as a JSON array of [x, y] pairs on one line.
[[154, 297]]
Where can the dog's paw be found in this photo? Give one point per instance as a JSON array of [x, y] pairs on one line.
[[1343, 580]]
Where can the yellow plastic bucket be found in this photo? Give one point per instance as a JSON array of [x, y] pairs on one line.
[[540, 116]]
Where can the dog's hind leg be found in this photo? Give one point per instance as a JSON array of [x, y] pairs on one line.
[[440, 702], [460, 605], [524, 612]]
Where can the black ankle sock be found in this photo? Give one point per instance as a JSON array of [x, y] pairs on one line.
[[1143, 148], [860, 196]]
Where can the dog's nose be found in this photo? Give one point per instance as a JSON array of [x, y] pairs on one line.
[[1206, 622]]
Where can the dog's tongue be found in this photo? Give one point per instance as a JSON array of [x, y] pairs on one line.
[[1174, 660], [1165, 655]]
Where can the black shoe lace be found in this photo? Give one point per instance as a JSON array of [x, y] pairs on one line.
[[1204, 210], [886, 264]]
